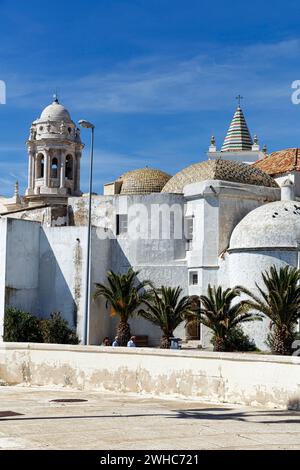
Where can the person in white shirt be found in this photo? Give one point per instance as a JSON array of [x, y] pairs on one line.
[[116, 342], [131, 342]]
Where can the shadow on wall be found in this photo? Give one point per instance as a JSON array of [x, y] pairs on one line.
[[54, 291], [102, 323], [120, 263]]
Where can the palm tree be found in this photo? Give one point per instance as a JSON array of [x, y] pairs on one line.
[[280, 302], [124, 294], [221, 314], [167, 310]]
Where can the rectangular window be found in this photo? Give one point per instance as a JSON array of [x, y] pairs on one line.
[[188, 232], [193, 278], [122, 223]]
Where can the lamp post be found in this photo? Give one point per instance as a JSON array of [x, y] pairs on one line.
[[88, 125]]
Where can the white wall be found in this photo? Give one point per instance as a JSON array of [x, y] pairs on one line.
[[3, 232], [63, 276], [22, 264], [245, 379]]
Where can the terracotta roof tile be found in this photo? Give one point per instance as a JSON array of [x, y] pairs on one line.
[[280, 162]]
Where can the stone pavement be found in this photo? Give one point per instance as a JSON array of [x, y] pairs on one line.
[[29, 420]]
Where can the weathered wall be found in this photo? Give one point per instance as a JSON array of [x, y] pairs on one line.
[[245, 379]]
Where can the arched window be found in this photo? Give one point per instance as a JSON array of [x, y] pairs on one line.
[[54, 168], [40, 165], [69, 167]]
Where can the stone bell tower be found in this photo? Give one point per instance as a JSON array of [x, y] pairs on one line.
[[54, 149]]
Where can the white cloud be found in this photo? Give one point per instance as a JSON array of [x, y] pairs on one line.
[[169, 84]]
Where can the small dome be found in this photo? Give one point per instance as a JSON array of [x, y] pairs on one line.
[[143, 181], [219, 169], [55, 112], [273, 225]]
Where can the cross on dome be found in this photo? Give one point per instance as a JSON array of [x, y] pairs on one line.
[[239, 98]]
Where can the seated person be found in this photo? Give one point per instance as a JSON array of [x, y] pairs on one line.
[[116, 342], [106, 341], [131, 342]]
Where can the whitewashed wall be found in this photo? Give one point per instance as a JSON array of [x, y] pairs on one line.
[[246, 379]]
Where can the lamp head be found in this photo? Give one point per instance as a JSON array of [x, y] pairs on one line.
[[86, 124]]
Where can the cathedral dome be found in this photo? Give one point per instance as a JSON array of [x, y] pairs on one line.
[[273, 225], [55, 112], [219, 169], [143, 181]]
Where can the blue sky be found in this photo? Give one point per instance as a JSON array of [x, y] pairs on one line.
[[157, 77]]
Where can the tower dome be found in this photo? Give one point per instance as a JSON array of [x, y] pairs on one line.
[[54, 148], [55, 112]]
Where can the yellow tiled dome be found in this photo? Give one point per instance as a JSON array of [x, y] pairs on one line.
[[220, 169], [143, 181]]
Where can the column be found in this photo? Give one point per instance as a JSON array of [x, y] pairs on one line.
[[77, 182], [46, 168], [62, 168], [30, 169]]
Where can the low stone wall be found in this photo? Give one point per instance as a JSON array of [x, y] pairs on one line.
[[246, 379]]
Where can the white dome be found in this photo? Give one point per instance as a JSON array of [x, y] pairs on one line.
[[55, 112], [273, 225]]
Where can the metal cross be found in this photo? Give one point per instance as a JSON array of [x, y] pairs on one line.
[[239, 98]]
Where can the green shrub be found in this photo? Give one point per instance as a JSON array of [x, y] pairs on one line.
[[237, 340], [21, 327], [24, 327], [56, 330], [240, 341]]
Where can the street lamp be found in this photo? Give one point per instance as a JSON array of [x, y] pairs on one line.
[[88, 125]]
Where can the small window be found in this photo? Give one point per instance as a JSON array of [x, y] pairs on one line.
[[188, 232], [193, 278], [122, 223]]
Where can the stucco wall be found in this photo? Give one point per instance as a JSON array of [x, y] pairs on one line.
[[213, 377]]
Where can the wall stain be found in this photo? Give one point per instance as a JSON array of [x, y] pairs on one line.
[[77, 283]]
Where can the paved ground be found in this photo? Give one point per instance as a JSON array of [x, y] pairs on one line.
[[29, 420]]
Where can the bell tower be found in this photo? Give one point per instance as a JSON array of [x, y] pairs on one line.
[[54, 151]]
